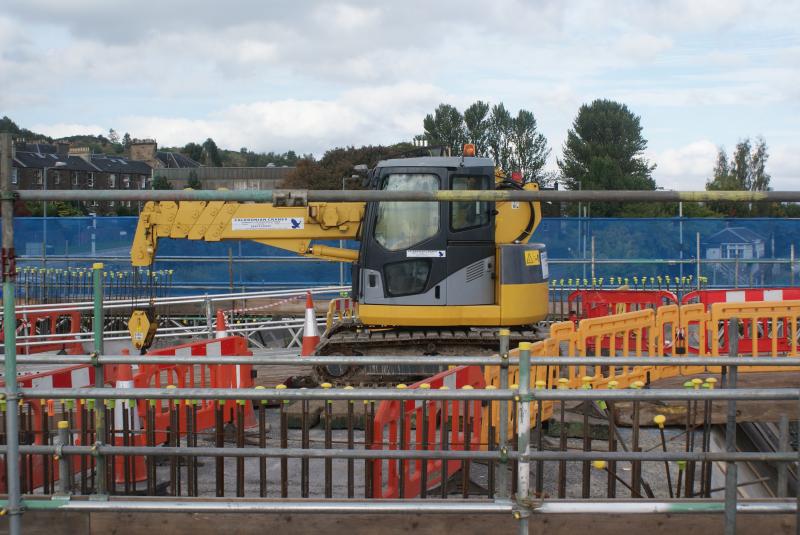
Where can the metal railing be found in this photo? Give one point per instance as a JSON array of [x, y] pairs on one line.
[[523, 503]]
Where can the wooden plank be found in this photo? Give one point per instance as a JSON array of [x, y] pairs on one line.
[[55, 523]]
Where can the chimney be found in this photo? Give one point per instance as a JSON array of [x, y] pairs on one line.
[[62, 148], [144, 150], [81, 152]]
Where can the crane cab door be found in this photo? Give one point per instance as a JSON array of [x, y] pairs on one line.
[[427, 253]]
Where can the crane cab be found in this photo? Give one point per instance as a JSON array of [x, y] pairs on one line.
[[460, 263]]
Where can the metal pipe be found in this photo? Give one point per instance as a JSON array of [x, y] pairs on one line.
[[98, 323], [731, 475], [496, 360], [524, 438], [64, 465], [759, 394], [502, 446], [269, 196], [459, 507], [455, 455], [14, 505]]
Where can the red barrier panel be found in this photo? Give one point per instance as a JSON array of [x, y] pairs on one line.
[[462, 418], [765, 327], [197, 376], [78, 376], [44, 323], [602, 303]]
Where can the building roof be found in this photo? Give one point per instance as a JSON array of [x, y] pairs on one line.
[[225, 173], [38, 160], [175, 160], [36, 147], [117, 164], [734, 235]]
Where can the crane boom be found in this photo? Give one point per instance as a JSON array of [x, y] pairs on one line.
[[292, 228]]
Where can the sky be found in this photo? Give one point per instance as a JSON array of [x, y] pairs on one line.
[[312, 75]]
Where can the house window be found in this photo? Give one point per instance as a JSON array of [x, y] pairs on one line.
[[737, 250], [90, 181], [112, 181], [14, 175], [126, 181], [74, 178], [144, 183], [39, 180], [57, 178]]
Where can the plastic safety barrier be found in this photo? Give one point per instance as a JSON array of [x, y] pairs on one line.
[[602, 303], [197, 376], [759, 334], [46, 323], [40, 419], [454, 425]]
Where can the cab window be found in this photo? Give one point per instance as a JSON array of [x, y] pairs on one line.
[[469, 214], [399, 225]]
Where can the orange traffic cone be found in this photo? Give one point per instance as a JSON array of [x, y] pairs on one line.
[[310, 329], [221, 327]]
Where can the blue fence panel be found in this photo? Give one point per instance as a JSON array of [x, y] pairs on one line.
[[733, 252]]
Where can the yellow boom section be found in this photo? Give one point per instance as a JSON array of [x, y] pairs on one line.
[[292, 228]]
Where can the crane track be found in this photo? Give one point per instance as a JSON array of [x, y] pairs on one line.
[[348, 339]]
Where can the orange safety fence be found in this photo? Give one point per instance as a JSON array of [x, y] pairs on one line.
[[451, 424], [41, 413], [48, 323]]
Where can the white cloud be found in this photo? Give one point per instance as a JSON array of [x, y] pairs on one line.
[[383, 114], [57, 130], [686, 167], [643, 46]]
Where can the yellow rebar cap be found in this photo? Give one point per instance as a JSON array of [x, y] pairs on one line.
[[63, 424], [524, 346], [659, 420], [600, 465], [97, 265]]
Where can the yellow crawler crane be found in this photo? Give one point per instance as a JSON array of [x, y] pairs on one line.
[[428, 277]]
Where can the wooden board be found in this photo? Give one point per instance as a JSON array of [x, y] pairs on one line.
[[54, 523]]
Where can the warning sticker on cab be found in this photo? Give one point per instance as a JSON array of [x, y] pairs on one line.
[[421, 253], [532, 258], [267, 223]]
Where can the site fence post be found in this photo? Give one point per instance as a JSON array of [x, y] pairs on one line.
[[14, 508], [523, 437], [697, 257], [64, 472], [502, 473], [98, 322], [209, 316], [731, 475]]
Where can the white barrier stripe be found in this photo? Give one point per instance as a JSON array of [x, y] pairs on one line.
[[450, 381], [80, 377], [773, 295], [42, 383], [735, 297]]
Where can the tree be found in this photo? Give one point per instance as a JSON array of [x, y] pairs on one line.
[[476, 122], [126, 140], [193, 181], [211, 153], [335, 164], [113, 137], [605, 150], [445, 128], [161, 182], [193, 151], [529, 153], [745, 171], [499, 139]]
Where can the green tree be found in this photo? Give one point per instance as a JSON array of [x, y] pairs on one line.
[[476, 122], [499, 138], [161, 182], [445, 128], [193, 151], [327, 173], [126, 140], [604, 150], [529, 147], [745, 171], [193, 181], [211, 153]]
